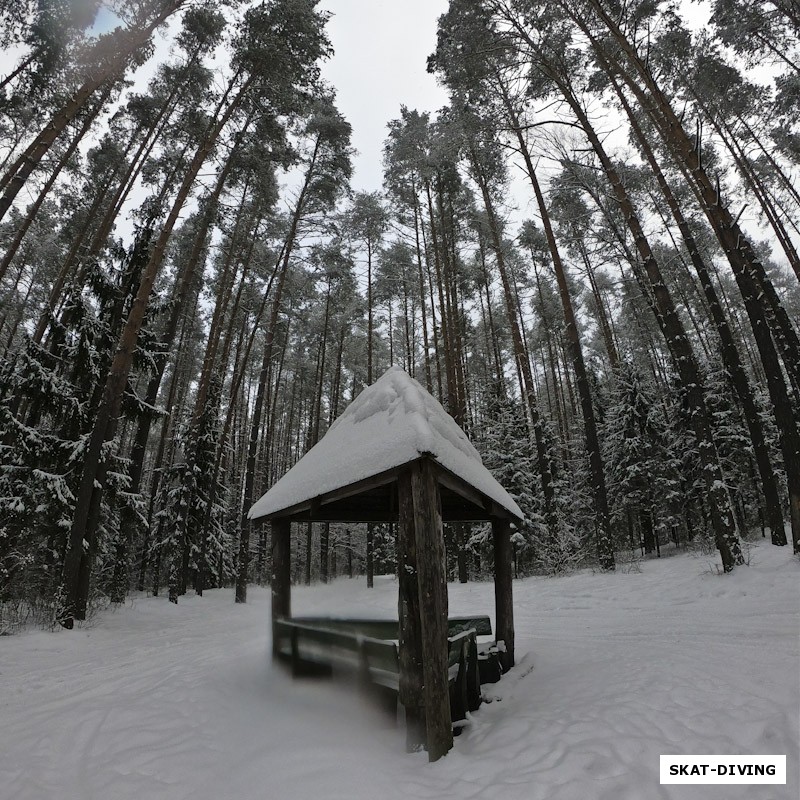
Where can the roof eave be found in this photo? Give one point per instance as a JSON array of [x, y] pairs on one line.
[[446, 477]]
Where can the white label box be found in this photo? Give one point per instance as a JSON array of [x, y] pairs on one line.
[[709, 769]]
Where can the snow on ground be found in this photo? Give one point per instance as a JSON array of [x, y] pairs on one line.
[[161, 701]]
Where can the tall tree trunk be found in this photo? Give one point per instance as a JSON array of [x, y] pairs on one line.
[[33, 210], [258, 408], [746, 266], [111, 68], [494, 340], [754, 183], [544, 461], [602, 314], [728, 349], [104, 429], [685, 363], [421, 278], [444, 318], [605, 540], [101, 232]]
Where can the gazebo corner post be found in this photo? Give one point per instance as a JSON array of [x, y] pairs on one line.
[[503, 594], [281, 577], [408, 608], [432, 591]]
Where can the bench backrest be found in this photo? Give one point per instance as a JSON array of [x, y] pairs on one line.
[[374, 628], [482, 625], [306, 639], [378, 658], [388, 628]]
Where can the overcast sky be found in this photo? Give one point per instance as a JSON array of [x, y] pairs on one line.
[[381, 50]]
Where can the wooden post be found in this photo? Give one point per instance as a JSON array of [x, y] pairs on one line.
[[503, 598], [459, 704], [473, 677], [410, 655], [281, 582], [432, 585]]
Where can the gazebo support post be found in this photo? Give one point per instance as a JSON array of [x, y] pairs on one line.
[[411, 670], [432, 585], [503, 599], [281, 582]]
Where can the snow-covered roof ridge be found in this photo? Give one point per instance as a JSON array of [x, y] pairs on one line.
[[392, 422], [396, 392]]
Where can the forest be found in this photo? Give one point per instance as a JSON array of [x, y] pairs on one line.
[[590, 257]]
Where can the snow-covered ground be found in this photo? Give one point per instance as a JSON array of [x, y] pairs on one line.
[[161, 701]]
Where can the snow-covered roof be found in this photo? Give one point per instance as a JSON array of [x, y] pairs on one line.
[[391, 423]]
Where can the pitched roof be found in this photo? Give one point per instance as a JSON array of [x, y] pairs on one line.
[[391, 423]]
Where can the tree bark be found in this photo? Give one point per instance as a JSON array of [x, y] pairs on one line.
[[33, 210], [723, 521], [111, 68], [258, 408], [730, 354], [737, 247], [106, 420], [543, 457], [605, 540]]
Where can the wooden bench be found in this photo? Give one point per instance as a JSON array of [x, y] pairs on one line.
[[390, 629], [318, 645]]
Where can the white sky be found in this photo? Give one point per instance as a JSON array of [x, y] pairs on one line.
[[381, 48]]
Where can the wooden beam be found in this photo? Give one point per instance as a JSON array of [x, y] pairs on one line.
[[410, 654], [316, 504], [432, 589], [455, 484], [458, 486], [503, 597], [281, 582], [355, 514], [352, 514], [354, 503]]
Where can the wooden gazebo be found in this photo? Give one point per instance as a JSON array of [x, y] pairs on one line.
[[396, 455]]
